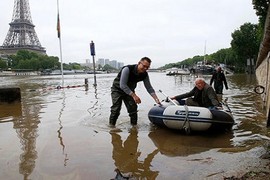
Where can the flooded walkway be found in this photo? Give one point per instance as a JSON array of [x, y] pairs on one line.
[[64, 134]]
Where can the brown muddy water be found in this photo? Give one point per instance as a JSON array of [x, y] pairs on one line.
[[64, 134]]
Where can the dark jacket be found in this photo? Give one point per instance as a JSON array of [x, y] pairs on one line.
[[133, 78], [219, 78], [207, 95]]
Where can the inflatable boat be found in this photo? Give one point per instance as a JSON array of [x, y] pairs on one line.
[[173, 115]]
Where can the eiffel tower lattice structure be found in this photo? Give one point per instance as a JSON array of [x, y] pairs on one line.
[[21, 34]]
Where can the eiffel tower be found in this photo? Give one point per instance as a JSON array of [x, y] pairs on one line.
[[21, 34]]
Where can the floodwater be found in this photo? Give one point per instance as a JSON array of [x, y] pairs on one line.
[[64, 134]]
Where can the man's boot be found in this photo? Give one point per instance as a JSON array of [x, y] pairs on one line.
[[134, 119]]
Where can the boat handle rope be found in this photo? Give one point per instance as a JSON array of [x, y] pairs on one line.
[[184, 127]]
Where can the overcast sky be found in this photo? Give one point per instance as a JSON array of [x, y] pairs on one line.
[[167, 31]]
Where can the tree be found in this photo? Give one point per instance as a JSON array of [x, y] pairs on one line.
[[261, 7], [3, 64], [187, 62], [225, 56], [32, 61], [245, 43], [107, 67], [49, 62]]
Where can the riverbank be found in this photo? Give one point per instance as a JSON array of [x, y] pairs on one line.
[[19, 73]]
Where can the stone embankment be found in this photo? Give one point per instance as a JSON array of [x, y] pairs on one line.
[[263, 67]]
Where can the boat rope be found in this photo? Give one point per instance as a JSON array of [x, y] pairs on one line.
[[226, 104], [186, 125]]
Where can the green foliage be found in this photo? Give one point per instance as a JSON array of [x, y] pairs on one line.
[[3, 64], [49, 62], [71, 66], [187, 62], [261, 7], [245, 43], [224, 56], [32, 61], [107, 67]]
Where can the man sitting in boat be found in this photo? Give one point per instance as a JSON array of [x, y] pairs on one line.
[[202, 95]]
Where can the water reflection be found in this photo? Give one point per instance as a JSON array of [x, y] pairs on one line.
[[240, 81], [93, 109], [27, 129], [248, 111], [61, 139], [172, 143], [25, 118], [25, 122], [126, 156], [10, 111]]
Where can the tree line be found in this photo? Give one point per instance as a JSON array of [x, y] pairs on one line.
[[245, 44], [24, 59], [28, 60]]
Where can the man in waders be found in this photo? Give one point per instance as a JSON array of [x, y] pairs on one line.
[[123, 89], [219, 79]]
